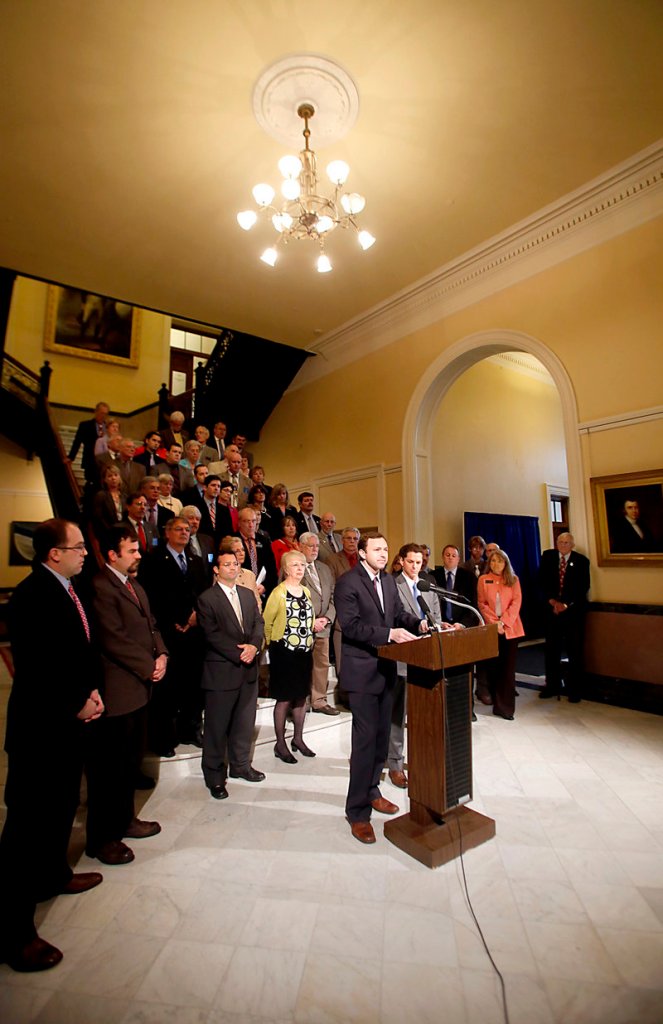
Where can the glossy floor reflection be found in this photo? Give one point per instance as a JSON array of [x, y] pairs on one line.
[[263, 908]]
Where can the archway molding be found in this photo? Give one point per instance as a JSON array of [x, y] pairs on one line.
[[418, 515]]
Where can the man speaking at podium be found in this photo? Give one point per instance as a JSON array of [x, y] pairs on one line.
[[370, 613]]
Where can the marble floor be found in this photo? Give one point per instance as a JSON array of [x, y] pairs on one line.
[[263, 908]]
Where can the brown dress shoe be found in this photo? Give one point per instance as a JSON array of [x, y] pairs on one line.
[[38, 955], [363, 831], [114, 852], [398, 778], [384, 806], [485, 698], [142, 829], [81, 882]]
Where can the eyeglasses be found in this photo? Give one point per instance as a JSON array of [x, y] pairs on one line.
[[71, 547]]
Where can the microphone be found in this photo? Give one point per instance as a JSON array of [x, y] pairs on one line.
[[452, 597], [426, 585]]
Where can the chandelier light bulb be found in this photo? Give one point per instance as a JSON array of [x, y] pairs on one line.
[[290, 189], [338, 172], [352, 202], [263, 194], [324, 223], [282, 221], [290, 166], [246, 219], [324, 266], [269, 256], [366, 239]]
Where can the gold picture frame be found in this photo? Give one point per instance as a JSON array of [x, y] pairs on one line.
[[80, 323], [628, 516]]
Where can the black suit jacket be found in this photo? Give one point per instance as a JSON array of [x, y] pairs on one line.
[[87, 436], [302, 525], [223, 519], [55, 668], [223, 669], [365, 627], [129, 640], [576, 580], [465, 584], [265, 557], [173, 594]]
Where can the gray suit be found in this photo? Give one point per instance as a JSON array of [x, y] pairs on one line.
[[322, 596], [230, 686], [326, 551], [397, 731]]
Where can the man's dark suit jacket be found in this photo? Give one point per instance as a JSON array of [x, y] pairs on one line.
[[55, 668], [87, 436], [465, 584], [130, 472], [168, 440], [173, 594], [576, 580], [302, 525], [129, 640], [624, 539], [222, 669], [265, 557], [224, 524], [208, 555], [365, 627]]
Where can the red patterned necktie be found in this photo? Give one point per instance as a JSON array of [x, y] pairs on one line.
[[130, 588], [142, 540], [212, 514], [80, 609], [562, 573]]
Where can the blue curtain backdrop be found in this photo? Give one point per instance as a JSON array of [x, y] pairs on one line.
[[519, 537]]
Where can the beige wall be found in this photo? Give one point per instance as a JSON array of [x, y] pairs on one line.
[[497, 440], [84, 382], [24, 498], [600, 313]]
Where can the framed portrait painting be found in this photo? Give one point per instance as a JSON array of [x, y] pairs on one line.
[[91, 326], [628, 515]]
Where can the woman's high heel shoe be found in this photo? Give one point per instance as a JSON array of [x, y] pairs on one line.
[[303, 750], [288, 758]]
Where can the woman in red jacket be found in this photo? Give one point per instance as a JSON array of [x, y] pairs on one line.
[[499, 598]]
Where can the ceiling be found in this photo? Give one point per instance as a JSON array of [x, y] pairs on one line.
[[128, 141]]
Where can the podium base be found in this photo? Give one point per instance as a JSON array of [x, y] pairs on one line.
[[434, 845]]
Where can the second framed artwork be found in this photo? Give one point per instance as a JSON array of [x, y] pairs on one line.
[[91, 326], [628, 515]]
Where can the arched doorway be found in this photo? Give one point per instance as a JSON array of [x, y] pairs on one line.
[[435, 382]]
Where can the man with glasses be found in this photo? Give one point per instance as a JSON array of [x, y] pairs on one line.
[[54, 694]]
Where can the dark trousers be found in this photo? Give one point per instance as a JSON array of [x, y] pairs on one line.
[[114, 753], [501, 673], [42, 794], [371, 722], [564, 632], [230, 717]]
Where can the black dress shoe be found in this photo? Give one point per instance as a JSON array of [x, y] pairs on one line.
[[37, 955], [218, 792], [507, 718], [303, 749], [165, 753], [287, 758], [474, 717], [547, 692], [250, 774], [82, 881], [574, 700]]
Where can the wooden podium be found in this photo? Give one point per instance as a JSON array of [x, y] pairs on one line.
[[439, 725]]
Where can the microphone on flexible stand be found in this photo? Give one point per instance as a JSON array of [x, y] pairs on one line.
[[427, 613], [452, 597]]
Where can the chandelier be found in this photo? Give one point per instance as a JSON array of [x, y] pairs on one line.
[[303, 211]]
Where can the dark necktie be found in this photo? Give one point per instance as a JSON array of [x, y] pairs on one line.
[[80, 609], [450, 586], [130, 587], [182, 561]]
